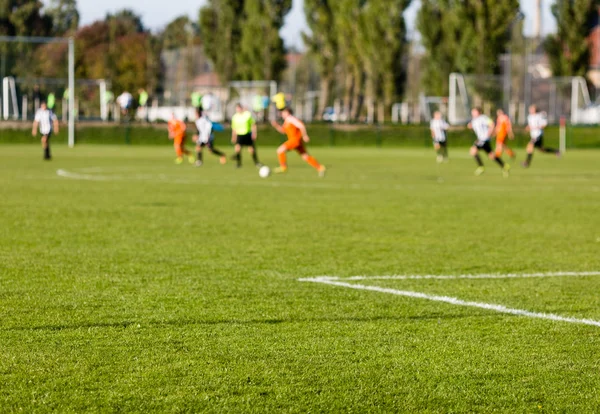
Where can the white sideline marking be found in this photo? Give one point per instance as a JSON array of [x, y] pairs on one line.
[[336, 281], [453, 277]]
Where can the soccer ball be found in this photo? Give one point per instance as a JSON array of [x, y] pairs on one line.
[[264, 171]]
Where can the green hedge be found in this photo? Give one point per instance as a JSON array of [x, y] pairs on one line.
[[321, 135]]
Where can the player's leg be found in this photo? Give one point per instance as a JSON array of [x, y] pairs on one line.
[[282, 157], [438, 150], [190, 157], [237, 157], [46, 146], [487, 147], [474, 152], [530, 149], [540, 145], [444, 150], [199, 154], [213, 150], [312, 161], [252, 151], [178, 151]]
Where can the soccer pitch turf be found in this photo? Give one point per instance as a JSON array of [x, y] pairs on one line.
[[129, 283]]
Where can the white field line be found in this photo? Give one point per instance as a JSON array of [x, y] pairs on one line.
[[453, 277], [263, 183], [457, 302]]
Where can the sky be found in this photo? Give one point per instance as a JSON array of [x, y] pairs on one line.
[[155, 15]]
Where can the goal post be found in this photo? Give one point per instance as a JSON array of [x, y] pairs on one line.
[[556, 96], [71, 76]]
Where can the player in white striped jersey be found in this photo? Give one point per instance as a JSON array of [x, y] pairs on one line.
[[536, 122], [205, 138], [483, 127], [438, 129], [47, 122]]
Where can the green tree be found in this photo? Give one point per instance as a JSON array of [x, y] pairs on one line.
[[220, 28], [65, 16], [346, 26], [322, 45], [568, 49], [468, 37], [21, 18], [381, 23], [179, 33], [262, 53]]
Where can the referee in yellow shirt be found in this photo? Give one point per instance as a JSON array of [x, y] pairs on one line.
[[243, 134]]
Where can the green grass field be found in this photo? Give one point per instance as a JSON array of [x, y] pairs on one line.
[[131, 284]]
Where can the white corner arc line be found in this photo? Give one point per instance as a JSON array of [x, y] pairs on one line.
[[458, 302], [454, 277]]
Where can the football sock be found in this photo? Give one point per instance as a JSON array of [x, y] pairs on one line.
[[550, 150], [445, 152], [499, 161], [478, 160], [47, 152], [282, 160], [255, 157], [529, 157], [238, 159], [216, 152], [313, 162], [199, 156], [178, 151]]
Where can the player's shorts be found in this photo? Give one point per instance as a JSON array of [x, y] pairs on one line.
[[295, 146], [208, 144], [440, 142], [48, 135], [538, 142], [178, 140], [501, 138], [245, 140], [483, 145]]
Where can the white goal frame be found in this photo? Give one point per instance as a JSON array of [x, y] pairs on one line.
[[459, 101], [71, 73]]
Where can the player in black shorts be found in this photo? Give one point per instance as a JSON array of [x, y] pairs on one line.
[[243, 134], [47, 122]]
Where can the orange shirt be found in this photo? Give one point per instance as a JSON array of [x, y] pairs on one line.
[[503, 125], [176, 128], [292, 127]]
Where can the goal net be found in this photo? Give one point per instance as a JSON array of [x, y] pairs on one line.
[[557, 96], [36, 69], [253, 95]]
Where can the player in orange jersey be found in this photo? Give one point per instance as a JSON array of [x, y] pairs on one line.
[[177, 134], [297, 136], [503, 130]]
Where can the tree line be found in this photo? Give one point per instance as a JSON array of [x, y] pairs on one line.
[[359, 47]]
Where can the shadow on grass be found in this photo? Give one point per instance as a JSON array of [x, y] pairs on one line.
[[242, 322]]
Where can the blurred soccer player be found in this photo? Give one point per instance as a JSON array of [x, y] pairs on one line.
[[205, 138], [243, 134], [536, 122], [47, 122], [483, 127], [438, 129], [177, 134], [297, 136], [503, 130]]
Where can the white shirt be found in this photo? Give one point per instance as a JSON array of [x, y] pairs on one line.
[[438, 129], [45, 119], [537, 123], [204, 127], [481, 126], [124, 100]]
